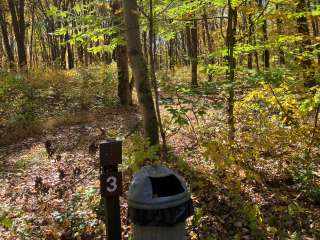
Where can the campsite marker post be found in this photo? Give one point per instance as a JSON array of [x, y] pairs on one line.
[[111, 186]]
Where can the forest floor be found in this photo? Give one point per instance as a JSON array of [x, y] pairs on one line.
[[254, 195]]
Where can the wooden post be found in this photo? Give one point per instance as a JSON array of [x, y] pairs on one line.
[[111, 186]]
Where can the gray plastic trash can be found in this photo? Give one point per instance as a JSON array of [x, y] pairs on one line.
[[159, 203]]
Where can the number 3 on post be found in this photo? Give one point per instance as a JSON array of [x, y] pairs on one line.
[[112, 186]]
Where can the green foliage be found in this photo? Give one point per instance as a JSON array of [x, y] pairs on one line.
[[254, 217], [281, 103], [216, 69], [139, 152], [186, 107], [27, 99], [178, 115], [5, 221], [33, 157], [196, 219], [58, 216], [106, 48], [312, 101], [78, 218], [295, 236], [219, 153], [308, 179], [17, 99], [294, 209], [85, 24]]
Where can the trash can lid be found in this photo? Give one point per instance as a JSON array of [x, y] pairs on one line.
[[157, 187]]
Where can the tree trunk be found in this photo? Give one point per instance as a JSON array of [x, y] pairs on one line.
[[152, 44], [266, 53], [2, 58], [80, 55], [188, 44], [17, 14], [280, 26], [145, 46], [303, 29], [124, 89], [5, 36], [86, 57], [184, 45], [209, 40], [315, 29], [32, 33], [70, 53], [63, 50], [194, 55], [121, 55], [231, 41], [140, 71], [250, 41], [171, 54]]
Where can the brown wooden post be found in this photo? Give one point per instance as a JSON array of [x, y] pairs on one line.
[[111, 186]]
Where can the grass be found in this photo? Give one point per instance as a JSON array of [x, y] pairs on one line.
[[41, 100], [35, 156]]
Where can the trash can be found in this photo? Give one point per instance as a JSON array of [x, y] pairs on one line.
[[158, 204]]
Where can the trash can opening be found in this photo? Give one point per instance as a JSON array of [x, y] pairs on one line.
[[165, 186]]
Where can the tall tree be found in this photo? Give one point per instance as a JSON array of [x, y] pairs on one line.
[[152, 50], [280, 28], [303, 29], [17, 9], [192, 48], [121, 54], [231, 42], [194, 54], [250, 41], [5, 36], [32, 33], [266, 52], [140, 71], [209, 40]]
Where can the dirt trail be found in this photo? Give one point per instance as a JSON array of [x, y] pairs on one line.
[[34, 186]]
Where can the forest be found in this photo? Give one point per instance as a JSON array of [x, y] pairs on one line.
[[224, 92]]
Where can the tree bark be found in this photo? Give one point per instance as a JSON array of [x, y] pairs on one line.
[[80, 55], [280, 26], [70, 52], [266, 52], [152, 44], [140, 71], [184, 46], [121, 55], [32, 34], [303, 29], [16, 8], [63, 50], [188, 44], [250, 41], [315, 29], [145, 46], [231, 41], [194, 55], [209, 40], [171, 54], [5, 36]]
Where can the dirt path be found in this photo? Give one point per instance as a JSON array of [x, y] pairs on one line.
[[37, 191], [56, 197]]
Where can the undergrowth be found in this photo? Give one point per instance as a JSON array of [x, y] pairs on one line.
[[28, 101]]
